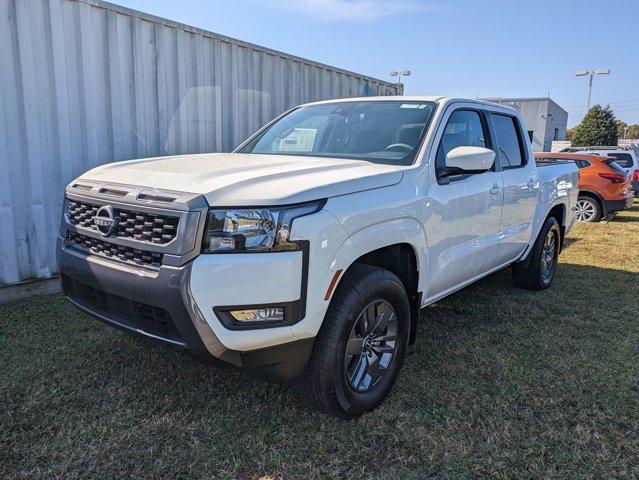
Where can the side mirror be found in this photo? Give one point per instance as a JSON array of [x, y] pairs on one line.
[[463, 160]]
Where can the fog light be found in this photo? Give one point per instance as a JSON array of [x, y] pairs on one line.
[[259, 315]]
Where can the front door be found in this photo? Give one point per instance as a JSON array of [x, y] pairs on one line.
[[463, 224]]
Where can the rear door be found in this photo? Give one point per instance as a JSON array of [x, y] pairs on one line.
[[465, 209], [521, 186]]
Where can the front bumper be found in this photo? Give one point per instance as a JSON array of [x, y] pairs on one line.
[[159, 304]]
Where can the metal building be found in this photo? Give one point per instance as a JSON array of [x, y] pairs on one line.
[[85, 82], [545, 120]]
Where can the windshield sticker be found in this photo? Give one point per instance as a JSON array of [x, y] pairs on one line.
[[300, 140]]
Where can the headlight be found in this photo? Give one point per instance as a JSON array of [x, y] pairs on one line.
[[253, 229]]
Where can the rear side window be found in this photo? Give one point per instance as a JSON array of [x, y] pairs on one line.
[[582, 163], [511, 154], [622, 159]]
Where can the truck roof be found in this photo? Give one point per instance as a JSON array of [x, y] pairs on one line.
[[413, 98]]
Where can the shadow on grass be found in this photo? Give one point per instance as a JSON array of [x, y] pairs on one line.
[[568, 242], [576, 290], [624, 219]]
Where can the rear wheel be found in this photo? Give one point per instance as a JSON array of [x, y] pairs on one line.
[[538, 273], [587, 209], [362, 343]]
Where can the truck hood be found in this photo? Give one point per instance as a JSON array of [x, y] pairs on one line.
[[235, 179]]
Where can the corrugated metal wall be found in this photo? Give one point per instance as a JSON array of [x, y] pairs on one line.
[[84, 82]]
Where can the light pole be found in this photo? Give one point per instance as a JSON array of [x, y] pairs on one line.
[[399, 73], [590, 74]]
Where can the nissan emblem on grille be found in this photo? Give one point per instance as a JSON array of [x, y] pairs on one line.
[[144, 227], [105, 220]]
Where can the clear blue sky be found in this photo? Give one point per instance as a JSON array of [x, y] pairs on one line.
[[491, 48]]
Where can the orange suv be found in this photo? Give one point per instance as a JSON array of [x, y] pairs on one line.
[[604, 187]]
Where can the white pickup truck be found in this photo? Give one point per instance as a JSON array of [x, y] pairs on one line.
[[309, 251]]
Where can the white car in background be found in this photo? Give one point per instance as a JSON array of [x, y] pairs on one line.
[[310, 250]]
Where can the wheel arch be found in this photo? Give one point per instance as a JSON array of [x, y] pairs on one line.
[[402, 260], [402, 239], [558, 210], [592, 194]]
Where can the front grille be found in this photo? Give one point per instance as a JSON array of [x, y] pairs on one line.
[[140, 316], [146, 227], [111, 250]]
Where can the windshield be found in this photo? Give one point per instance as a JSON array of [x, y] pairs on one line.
[[380, 131]]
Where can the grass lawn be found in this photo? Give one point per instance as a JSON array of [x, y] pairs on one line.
[[501, 382]]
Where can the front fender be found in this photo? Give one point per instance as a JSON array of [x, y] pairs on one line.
[[325, 267], [391, 232], [379, 235]]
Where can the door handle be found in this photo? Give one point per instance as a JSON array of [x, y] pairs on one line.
[[531, 183], [496, 190]]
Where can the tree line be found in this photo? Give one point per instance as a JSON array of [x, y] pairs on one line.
[[600, 127]]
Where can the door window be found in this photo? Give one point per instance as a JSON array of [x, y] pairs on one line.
[[511, 153], [464, 129]]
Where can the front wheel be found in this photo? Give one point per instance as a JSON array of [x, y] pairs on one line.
[[539, 271], [360, 348]]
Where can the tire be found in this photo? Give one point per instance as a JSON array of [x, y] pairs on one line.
[[341, 374], [588, 209], [539, 272]]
